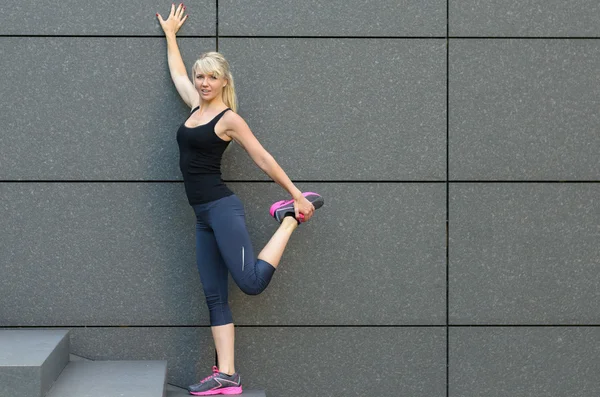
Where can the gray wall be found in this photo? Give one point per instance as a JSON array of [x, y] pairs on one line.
[[456, 144]]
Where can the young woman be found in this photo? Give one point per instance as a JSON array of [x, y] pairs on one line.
[[222, 241]]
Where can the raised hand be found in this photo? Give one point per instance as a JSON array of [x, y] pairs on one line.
[[174, 21]]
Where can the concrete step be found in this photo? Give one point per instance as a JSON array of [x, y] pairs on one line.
[[173, 391], [111, 379], [31, 360]]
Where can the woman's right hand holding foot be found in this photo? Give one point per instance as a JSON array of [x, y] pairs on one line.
[[174, 21]]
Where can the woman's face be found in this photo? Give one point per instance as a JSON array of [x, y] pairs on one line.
[[208, 85]]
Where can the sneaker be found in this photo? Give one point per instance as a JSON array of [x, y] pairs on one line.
[[283, 208], [217, 383]]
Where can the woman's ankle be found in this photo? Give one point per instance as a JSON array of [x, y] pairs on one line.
[[289, 223], [227, 370]]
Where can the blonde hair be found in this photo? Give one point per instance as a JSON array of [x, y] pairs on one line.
[[214, 63]]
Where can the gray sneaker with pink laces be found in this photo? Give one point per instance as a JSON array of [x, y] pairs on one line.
[[217, 383], [283, 208]]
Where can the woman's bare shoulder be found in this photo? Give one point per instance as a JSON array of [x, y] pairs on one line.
[[232, 119]]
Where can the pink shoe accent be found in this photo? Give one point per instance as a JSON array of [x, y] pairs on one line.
[[281, 203], [215, 371], [232, 390], [225, 390], [277, 205]]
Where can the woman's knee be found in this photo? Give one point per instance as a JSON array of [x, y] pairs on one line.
[[254, 289], [259, 278]]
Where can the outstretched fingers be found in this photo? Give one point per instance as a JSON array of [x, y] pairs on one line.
[[175, 20], [183, 20], [180, 11]]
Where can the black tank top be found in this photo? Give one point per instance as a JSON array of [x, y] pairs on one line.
[[200, 153]]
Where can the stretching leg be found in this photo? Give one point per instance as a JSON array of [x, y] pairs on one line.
[[229, 226], [273, 251]]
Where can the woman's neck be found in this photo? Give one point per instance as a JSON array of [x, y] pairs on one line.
[[214, 104]]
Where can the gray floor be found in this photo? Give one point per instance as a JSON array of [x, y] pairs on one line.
[[173, 391]]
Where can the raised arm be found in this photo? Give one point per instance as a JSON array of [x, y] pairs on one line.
[[179, 75]]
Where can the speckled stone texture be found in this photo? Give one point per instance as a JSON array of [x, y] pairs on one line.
[[123, 254], [333, 361], [373, 254], [98, 254], [332, 18], [351, 99], [524, 109], [518, 18], [342, 109], [102, 18], [386, 361], [524, 361], [31, 360], [189, 351], [21, 381], [524, 254], [111, 379], [90, 108]]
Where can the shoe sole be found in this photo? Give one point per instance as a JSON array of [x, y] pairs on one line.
[[225, 390], [314, 198]]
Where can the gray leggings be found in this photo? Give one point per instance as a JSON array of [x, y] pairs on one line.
[[223, 244]]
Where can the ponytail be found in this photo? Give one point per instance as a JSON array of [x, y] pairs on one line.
[[229, 96]]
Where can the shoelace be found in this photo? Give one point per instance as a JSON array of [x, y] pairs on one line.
[[215, 371]]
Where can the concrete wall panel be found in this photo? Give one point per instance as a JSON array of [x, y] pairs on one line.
[[189, 351], [524, 254], [98, 254], [524, 361], [305, 361], [332, 18], [530, 18], [65, 229], [351, 99], [139, 240], [102, 18], [90, 108], [342, 109], [524, 109], [386, 362], [374, 254]]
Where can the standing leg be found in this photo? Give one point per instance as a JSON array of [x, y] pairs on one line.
[[214, 277], [213, 274]]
